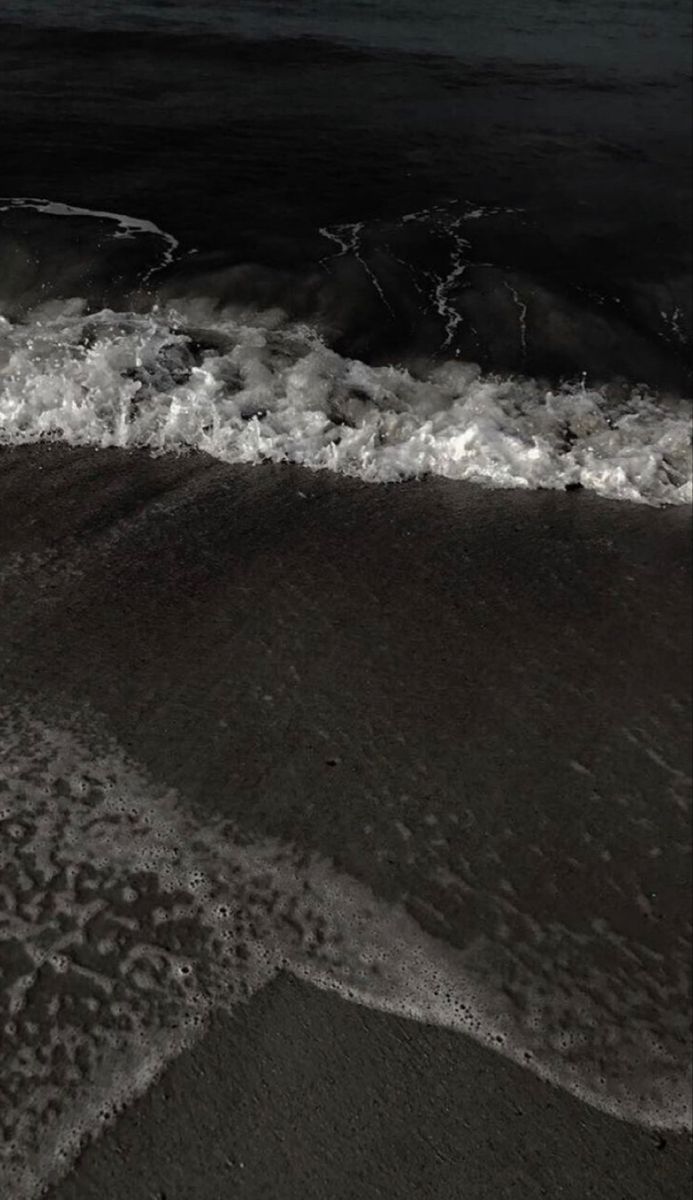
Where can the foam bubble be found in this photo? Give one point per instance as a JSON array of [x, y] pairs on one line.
[[249, 391], [127, 920]]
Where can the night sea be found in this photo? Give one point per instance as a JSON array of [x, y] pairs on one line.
[[345, 487]]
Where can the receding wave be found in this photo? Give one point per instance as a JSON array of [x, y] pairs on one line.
[[132, 920], [254, 387]]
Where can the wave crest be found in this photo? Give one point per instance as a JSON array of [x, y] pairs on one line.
[[249, 387]]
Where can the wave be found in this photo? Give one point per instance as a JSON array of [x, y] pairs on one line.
[[253, 364], [249, 386]]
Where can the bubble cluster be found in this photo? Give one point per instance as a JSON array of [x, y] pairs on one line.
[[125, 920], [246, 386]]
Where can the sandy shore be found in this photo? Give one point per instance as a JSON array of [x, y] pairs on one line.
[[306, 1097], [417, 681]]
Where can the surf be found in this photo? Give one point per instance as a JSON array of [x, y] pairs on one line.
[[254, 387]]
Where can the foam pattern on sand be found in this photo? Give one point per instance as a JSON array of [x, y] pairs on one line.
[[126, 920], [244, 387]]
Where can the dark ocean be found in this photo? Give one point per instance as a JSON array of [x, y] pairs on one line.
[[506, 188]]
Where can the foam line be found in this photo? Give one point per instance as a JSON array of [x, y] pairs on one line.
[[139, 920], [127, 227]]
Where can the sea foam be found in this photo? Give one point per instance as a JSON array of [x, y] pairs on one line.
[[250, 387], [127, 919]]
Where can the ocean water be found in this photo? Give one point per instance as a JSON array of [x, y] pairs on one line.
[[387, 240], [458, 240]]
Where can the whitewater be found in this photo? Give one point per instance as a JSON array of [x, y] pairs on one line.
[[184, 376], [251, 385]]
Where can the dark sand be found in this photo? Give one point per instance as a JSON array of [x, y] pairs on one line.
[[326, 661], [304, 1097]]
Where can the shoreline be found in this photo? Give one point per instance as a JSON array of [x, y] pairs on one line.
[[423, 682], [302, 1097]]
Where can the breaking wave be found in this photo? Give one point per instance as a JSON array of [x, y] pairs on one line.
[[253, 388]]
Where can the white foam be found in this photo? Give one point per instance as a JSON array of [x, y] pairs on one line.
[[279, 394], [445, 220], [522, 317], [348, 240], [127, 920], [126, 227]]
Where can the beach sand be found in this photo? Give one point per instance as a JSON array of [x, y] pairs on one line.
[[304, 1097], [355, 668]]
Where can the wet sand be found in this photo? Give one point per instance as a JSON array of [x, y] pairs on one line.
[[303, 1097], [329, 662]]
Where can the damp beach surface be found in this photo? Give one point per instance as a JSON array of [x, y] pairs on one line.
[[467, 811]]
